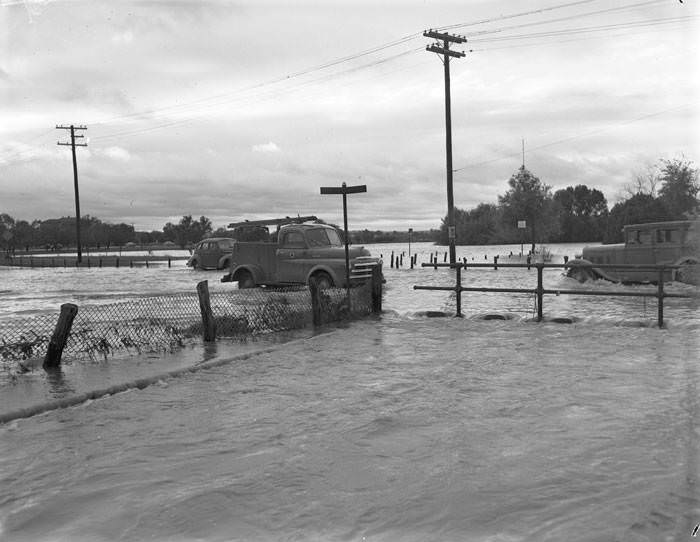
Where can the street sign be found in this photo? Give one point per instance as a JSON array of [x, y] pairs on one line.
[[521, 224], [344, 189]]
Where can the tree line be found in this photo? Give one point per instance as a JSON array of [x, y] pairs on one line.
[[530, 212], [669, 191]]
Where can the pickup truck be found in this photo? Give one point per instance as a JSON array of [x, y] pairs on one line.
[[303, 252]]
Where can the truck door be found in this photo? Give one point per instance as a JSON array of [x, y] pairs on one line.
[[292, 264]]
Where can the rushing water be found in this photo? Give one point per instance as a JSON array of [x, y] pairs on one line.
[[397, 428]]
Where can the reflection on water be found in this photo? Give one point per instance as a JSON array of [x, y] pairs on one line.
[[58, 385], [403, 428]]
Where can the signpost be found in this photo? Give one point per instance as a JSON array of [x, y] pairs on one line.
[[345, 190], [521, 226]]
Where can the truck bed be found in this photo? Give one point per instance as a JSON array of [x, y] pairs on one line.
[[259, 253]]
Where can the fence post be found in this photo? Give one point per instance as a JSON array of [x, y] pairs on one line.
[[376, 289], [458, 290], [315, 302], [660, 296], [60, 336], [207, 315], [540, 290]]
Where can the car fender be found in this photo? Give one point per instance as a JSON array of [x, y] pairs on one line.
[[682, 275], [581, 269], [255, 270], [224, 261]]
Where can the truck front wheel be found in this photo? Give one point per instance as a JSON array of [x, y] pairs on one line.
[[245, 280], [323, 281]]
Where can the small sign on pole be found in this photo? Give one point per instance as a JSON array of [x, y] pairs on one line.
[[521, 226]]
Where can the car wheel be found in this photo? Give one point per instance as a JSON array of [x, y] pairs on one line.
[[323, 281], [245, 280], [581, 275], [195, 264]]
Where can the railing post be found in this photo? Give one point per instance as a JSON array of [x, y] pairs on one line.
[[376, 289], [540, 291], [660, 296], [60, 336], [458, 290], [208, 321], [315, 302]]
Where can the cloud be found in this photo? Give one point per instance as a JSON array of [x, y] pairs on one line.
[[116, 153], [266, 147], [123, 37]]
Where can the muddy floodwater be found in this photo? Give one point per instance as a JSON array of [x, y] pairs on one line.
[[398, 427]]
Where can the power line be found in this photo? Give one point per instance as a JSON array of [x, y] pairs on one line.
[[516, 15], [271, 94], [574, 137], [567, 18], [583, 30]]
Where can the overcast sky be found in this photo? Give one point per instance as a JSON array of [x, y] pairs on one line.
[[244, 109]]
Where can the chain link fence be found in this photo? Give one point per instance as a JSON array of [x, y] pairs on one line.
[[163, 323]]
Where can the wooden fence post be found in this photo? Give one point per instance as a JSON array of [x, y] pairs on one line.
[[660, 297], [540, 290], [316, 313], [60, 336], [376, 289], [458, 289], [208, 322]]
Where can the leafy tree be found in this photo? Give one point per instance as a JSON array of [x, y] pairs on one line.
[[679, 188], [478, 226], [187, 230], [638, 209], [530, 200], [583, 212]]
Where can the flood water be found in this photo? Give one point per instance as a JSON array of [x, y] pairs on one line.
[[402, 427]]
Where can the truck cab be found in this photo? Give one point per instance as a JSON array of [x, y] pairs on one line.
[[302, 253]]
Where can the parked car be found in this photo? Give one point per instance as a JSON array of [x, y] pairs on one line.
[[213, 253]]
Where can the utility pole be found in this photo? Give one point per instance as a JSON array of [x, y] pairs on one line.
[[445, 51], [73, 145]]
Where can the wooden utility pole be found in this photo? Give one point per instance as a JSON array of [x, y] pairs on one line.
[[73, 145], [446, 52]]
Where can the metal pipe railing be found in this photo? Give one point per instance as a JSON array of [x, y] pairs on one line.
[[540, 291]]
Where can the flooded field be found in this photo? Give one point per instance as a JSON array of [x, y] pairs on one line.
[[398, 428]]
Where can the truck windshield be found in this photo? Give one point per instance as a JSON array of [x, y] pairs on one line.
[[322, 237]]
